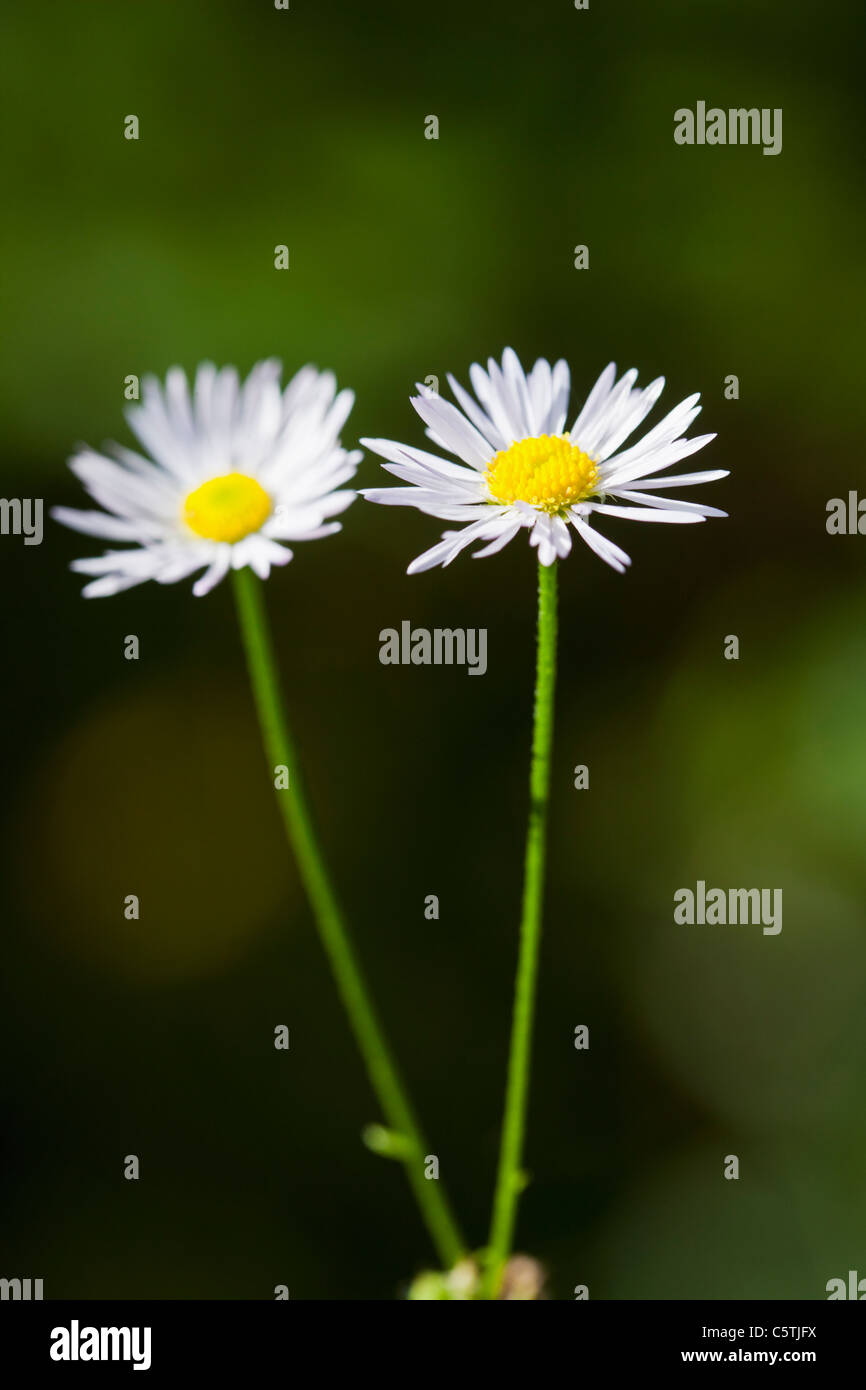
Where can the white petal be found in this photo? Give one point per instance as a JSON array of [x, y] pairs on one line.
[[111, 584], [178, 403], [510, 383], [540, 385], [111, 528], [470, 484], [671, 503], [261, 404], [458, 435], [711, 475], [151, 497], [597, 396], [259, 553], [454, 541], [638, 463], [496, 407], [215, 572], [607, 418], [430, 464], [473, 412], [434, 503], [561, 537], [605, 549], [644, 513], [542, 536], [636, 410], [509, 531], [554, 421]]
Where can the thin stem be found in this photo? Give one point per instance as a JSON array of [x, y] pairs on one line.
[[295, 811], [510, 1178]]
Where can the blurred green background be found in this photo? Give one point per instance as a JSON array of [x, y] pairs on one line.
[[409, 258]]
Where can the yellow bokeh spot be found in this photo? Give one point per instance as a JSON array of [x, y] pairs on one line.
[[549, 472], [227, 508]]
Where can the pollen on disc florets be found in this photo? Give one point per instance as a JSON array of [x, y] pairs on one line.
[[548, 472], [227, 508]]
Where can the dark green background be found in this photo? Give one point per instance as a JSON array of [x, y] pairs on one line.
[[409, 258]]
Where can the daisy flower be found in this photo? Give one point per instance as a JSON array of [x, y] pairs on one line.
[[233, 470], [521, 468]]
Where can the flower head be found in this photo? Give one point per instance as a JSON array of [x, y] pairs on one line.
[[520, 467], [523, 1281], [233, 470]]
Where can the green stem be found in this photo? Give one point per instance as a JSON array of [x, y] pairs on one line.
[[295, 811], [510, 1178]]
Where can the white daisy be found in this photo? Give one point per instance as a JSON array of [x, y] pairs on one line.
[[526, 470], [234, 469]]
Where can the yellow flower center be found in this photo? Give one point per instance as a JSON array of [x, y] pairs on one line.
[[227, 508], [549, 472]]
